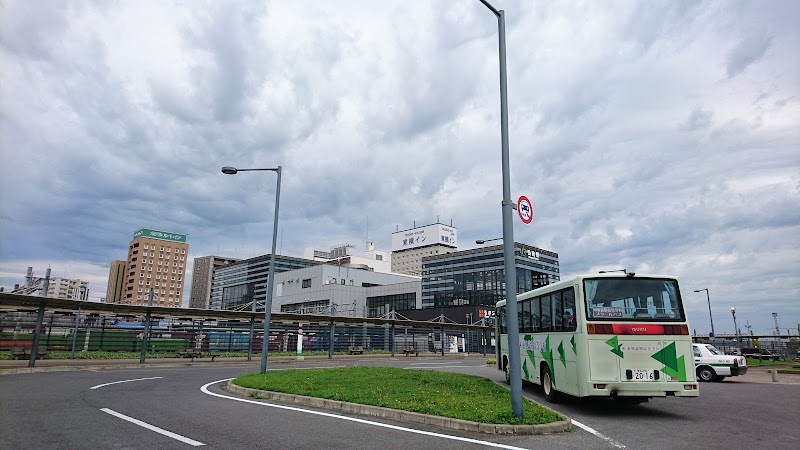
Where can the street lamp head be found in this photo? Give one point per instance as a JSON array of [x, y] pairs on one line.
[[480, 241], [733, 309], [699, 290], [229, 170]]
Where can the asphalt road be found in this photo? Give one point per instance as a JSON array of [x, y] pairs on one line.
[[75, 409]]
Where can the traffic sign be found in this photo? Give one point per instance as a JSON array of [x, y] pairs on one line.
[[525, 209]]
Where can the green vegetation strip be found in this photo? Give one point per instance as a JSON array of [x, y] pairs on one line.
[[443, 394]]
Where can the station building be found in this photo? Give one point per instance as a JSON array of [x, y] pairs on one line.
[[352, 291], [465, 286]]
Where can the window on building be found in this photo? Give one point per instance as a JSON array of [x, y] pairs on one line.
[[307, 283]]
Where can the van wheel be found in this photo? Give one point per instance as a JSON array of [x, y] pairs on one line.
[[706, 373], [550, 393]]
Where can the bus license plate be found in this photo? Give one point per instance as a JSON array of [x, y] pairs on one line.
[[643, 375]]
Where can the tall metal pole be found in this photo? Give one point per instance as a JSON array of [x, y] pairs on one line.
[[710, 317], [270, 281], [508, 206], [268, 306], [37, 331], [146, 329], [736, 330]]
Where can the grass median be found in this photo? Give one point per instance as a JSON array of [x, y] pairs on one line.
[[443, 394]]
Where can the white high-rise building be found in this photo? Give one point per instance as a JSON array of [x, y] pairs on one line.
[[410, 246]]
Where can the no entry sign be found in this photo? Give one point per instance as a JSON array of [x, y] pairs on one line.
[[525, 209]]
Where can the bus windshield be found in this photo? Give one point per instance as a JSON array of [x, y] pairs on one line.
[[633, 299]]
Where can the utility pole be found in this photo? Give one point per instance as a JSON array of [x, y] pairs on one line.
[[749, 331], [777, 329]]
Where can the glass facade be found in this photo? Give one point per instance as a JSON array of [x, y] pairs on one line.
[[239, 283], [476, 277], [378, 306]]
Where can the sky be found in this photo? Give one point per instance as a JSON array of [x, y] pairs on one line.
[[656, 136]]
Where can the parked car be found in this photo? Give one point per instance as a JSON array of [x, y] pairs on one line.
[[759, 353], [713, 365]]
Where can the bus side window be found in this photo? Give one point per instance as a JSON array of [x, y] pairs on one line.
[[558, 312], [536, 313], [525, 306], [569, 310], [503, 324], [547, 324]]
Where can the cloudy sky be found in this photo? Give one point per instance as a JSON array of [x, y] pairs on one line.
[[656, 136]]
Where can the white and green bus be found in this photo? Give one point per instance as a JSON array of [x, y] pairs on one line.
[[617, 335]]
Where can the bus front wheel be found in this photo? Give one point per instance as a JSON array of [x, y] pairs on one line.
[[550, 393]]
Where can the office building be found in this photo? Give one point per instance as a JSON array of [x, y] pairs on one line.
[[238, 284], [203, 271], [157, 263], [346, 256], [409, 247], [116, 282], [57, 287], [354, 292], [476, 277]]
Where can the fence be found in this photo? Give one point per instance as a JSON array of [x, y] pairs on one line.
[[73, 329]]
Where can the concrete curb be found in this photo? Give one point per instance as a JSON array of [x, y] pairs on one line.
[[407, 416]]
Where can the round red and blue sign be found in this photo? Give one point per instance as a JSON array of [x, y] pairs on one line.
[[525, 209]]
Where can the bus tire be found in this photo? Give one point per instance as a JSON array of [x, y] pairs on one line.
[[550, 394], [507, 370]]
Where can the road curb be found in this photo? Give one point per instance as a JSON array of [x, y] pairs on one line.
[[407, 416]]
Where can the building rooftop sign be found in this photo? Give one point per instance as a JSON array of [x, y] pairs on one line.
[[161, 235], [436, 234]]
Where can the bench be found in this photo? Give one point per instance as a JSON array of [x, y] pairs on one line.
[[410, 350], [355, 349], [189, 353], [25, 352]]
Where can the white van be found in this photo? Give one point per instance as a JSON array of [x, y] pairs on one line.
[[714, 365]]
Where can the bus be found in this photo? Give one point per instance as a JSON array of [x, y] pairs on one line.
[[618, 335]]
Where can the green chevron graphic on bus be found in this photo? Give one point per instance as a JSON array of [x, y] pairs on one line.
[[574, 347], [674, 366], [561, 355], [525, 373], [615, 346], [547, 355]]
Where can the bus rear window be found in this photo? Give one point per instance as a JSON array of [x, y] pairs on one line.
[[633, 299]]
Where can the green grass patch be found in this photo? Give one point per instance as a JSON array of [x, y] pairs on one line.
[[765, 362], [444, 394]]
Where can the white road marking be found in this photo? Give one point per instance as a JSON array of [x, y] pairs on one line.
[[205, 390], [123, 381], [183, 439], [598, 434]]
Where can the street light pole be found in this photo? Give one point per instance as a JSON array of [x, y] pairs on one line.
[[710, 317], [508, 227], [736, 330], [271, 274]]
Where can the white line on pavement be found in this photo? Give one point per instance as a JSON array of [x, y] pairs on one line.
[[123, 381], [205, 390], [596, 433], [183, 439]]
